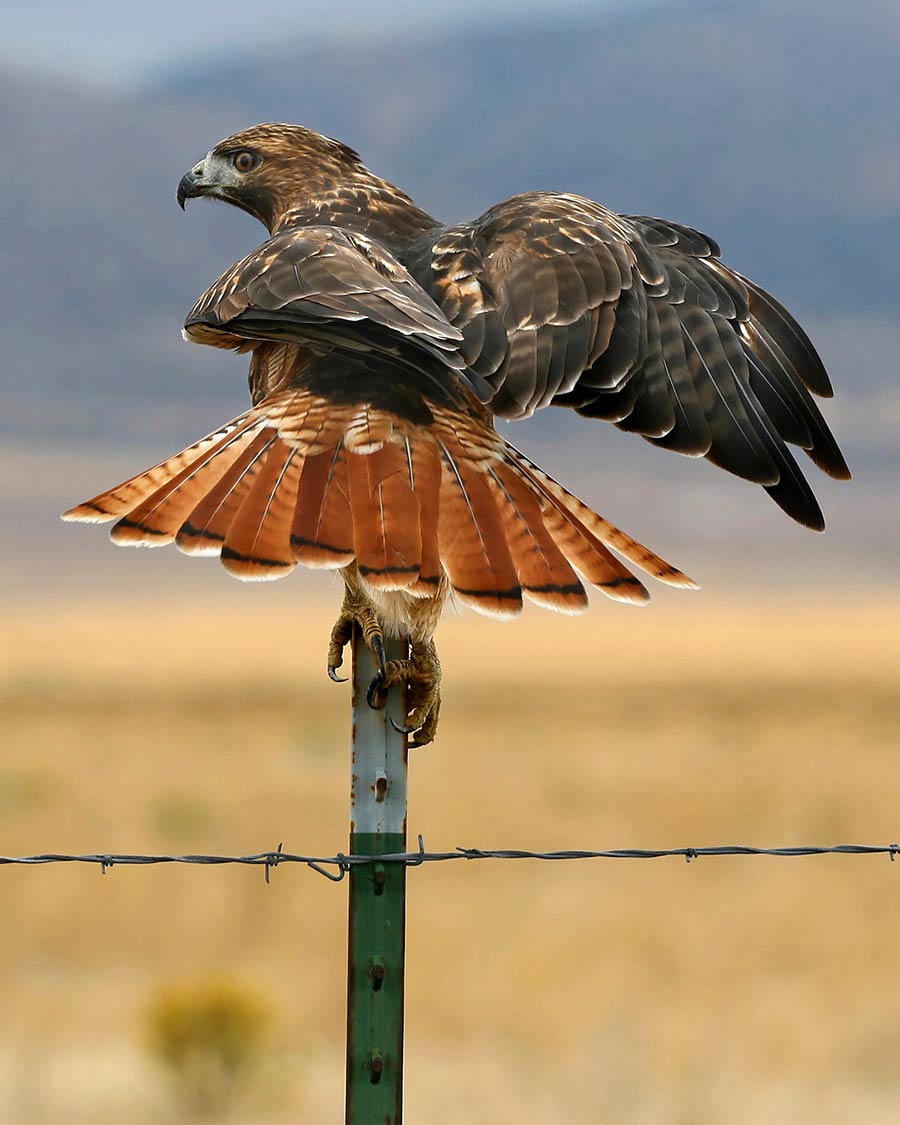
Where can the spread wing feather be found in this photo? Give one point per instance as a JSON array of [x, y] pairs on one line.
[[325, 289], [634, 320]]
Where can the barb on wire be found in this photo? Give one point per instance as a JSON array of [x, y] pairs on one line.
[[342, 863]]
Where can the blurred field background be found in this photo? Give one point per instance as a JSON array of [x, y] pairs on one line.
[[751, 990], [149, 703]]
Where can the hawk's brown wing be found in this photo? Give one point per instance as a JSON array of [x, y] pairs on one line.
[[635, 320], [325, 289]]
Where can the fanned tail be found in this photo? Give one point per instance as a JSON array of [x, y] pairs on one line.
[[300, 480]]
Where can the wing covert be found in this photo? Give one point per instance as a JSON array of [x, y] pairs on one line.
[[634, 320], [323, 288]]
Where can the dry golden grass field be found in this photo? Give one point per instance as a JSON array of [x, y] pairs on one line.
[[612, 991]]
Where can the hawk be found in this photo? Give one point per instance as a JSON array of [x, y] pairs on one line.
[[383, 344]]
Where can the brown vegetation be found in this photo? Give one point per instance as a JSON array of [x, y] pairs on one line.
[[751, 990]]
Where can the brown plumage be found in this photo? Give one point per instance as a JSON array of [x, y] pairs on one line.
[[404, 509], [426, 469], [322, 534], [472, 539], [258, 540], [387, 541], [206, 525], [544, 573], [382, 344]]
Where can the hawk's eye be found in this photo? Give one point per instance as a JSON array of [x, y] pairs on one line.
[[244, 161]]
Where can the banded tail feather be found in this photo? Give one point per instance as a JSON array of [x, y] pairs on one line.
[[258, 541], [546, 575], [409, 506], [425, 471], [157, 520], [126, 496], [592, 526], [203, 531], [473, 539], [322, 532], [384, 510]]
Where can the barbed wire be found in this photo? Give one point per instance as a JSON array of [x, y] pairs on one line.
[[342, 863]]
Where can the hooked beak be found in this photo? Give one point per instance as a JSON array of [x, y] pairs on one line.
[[191, 185]]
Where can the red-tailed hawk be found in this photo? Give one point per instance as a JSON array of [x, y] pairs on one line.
[[382, 345]]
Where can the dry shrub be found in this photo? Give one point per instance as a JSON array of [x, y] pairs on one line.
[[210, 1034]]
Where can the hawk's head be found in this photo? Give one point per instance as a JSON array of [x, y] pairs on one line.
[[268, 169]]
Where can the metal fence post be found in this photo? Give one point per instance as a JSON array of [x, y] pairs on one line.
[[377, 908]]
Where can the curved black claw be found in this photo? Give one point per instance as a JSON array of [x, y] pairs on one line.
[[334, 677], [402, 730], [376, 697], [378, 649]]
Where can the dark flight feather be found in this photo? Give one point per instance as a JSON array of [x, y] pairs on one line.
[[635, 320]]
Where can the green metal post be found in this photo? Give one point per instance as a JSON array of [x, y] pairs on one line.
[[377, 913]]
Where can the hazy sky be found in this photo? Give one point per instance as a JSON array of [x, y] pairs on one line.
[[104, 40]]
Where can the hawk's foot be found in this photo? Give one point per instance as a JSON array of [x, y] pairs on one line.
[[356, 610], [422, 675]]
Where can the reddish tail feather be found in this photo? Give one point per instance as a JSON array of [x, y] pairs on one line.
[[406, 505]]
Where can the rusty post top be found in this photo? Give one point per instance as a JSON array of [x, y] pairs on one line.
[[378, 769]]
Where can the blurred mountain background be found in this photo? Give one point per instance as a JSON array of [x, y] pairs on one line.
[[772, 128]]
